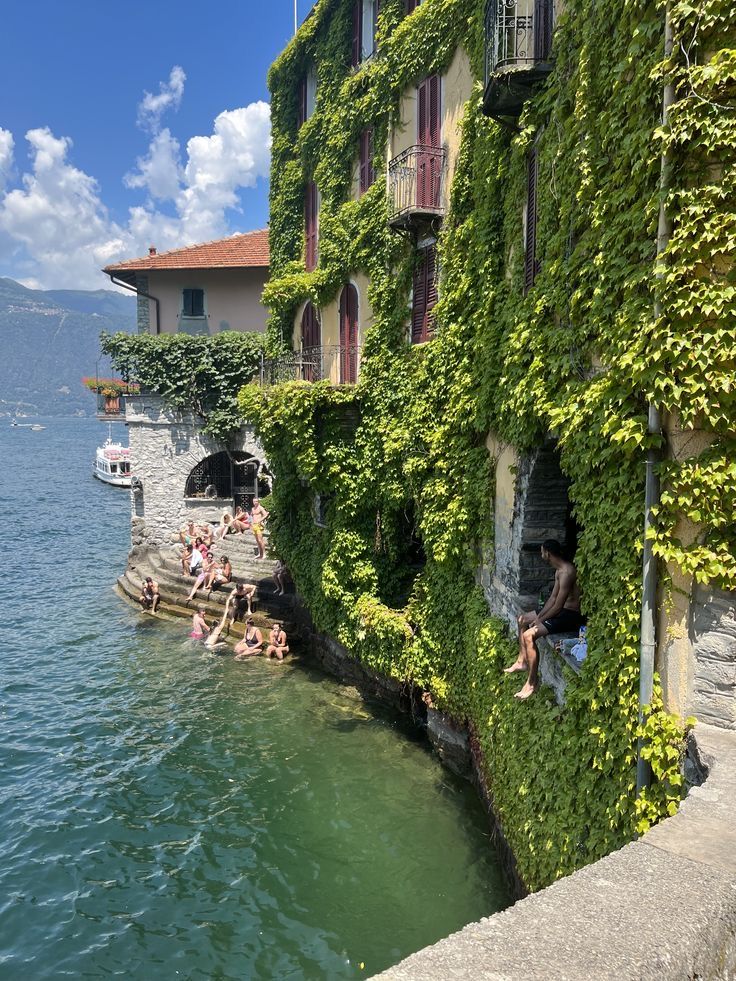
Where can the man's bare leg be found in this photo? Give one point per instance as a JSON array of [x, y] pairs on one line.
[[529, 638], [520, 664]]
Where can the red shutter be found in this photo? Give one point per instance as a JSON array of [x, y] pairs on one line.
[[357, 46], [425, 295], [367, 175], [302, 106], [349, 335], [310, 226], [531, 266], [310, 344], [433, 127], [429, 165]]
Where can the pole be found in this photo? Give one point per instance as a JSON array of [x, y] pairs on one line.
[[648, 642], [296, 23]]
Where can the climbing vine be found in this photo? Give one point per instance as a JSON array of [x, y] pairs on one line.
[[191, 372]]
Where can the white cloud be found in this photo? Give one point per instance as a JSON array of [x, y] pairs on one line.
[[6, 156], [56, 230], [160, 171], [152, 107]]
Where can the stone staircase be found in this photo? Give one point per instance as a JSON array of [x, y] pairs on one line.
[[164, 566]]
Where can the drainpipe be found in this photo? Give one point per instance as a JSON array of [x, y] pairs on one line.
[[138, 292], [648, 643]]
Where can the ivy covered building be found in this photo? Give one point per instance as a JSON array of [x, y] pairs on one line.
[[502, 302]]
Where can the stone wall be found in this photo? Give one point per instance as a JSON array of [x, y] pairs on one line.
[[713, 639], [143, 305], [164, 448]]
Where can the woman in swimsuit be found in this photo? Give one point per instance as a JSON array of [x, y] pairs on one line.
[[209, 567], [251, 644], [220, 573], [199, 625], [277, 643]]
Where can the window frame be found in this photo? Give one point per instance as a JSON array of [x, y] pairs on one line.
[[190, 314]]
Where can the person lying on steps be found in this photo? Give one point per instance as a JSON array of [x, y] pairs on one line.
[[560, 614]]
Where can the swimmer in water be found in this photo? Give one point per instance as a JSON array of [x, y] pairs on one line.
[[200, 630], [214, 637]]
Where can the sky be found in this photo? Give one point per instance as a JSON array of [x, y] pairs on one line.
[[126, 127]]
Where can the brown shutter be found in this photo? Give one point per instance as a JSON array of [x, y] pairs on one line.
[[310, 226], [530, 250], [366, 160], [433, 109], [302, 106], [349, 335], [542, 28], [425, 295], [357, 46]]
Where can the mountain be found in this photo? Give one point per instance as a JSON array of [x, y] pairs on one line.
[[50, 340]]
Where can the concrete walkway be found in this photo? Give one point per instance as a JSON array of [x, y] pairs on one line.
[[661, 908]]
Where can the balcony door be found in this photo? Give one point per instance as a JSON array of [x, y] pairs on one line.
[[349, 335], [429, 165], [310, 344]]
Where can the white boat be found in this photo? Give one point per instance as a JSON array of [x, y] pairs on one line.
[[33, 426], [112, 464], [36, 428]]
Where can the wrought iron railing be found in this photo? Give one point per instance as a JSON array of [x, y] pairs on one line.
[[517, 33], [337, 363], [416, 182]]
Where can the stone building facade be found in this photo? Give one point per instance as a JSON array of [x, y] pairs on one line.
[[182, 474]]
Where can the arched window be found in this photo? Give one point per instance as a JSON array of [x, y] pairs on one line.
[[349, 335], [225, 476], [310, 344]]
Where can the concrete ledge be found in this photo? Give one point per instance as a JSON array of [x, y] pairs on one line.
[[663, 907]]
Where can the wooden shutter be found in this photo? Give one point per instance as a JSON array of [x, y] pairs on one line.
[[186, 306], [367, 175], [530, 246], [310, 226], [302, 105], [311, 359], [542, 27], [433, 110], [357, 45], [425, 294], [349, 335]]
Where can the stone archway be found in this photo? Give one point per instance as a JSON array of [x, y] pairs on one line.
[[532, 503], [225, 477]]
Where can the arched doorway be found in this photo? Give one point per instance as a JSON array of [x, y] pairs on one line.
[[231, 478], [311, 342], [349, 335]]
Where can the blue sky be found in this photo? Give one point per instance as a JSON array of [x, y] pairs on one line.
[[125, 126]]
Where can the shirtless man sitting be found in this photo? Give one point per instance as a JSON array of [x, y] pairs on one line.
[[150, 596], [560, 614], [278, 644]]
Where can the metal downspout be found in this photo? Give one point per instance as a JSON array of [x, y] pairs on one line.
[[648, 643], [134, 289]]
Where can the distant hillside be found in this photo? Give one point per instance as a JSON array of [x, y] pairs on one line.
[[50, 340]]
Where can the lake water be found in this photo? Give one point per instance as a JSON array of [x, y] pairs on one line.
[[167, 813]]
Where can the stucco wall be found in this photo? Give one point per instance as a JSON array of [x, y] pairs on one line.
[[164, 448], [232, 299], [330, 323], [455, 89]]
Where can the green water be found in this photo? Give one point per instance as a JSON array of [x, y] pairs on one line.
[[170, 813]]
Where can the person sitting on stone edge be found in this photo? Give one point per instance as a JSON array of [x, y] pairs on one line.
[[150, 596], [560, 614]]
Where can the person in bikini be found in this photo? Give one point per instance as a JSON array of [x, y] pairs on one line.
[[214, 638], [207, 569], [241, 521], [258, 516], [222, 572], [251, 644], [277, 643], [560, 614]]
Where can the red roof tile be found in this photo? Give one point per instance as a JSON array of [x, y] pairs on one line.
[[236, 252]]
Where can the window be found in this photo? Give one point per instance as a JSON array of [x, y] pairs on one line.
[[311, 211], [411, 5], [365, 22], [192, 303], [310, 337], [367, 174], [349, 335], [425, 294], [531, 263], [307, 96]]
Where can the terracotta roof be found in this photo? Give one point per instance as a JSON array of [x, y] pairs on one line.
[[234, 252]]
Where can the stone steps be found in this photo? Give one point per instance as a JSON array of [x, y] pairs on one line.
[[164, 567]]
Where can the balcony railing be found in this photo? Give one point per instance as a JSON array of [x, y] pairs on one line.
[[336, 363], [416, 181], [518, 45]]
